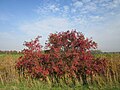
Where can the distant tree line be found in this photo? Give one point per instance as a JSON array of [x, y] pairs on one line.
[[10, 52], [101, 52], [47, 51]]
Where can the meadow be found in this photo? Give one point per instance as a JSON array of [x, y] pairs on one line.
[[10, 79]]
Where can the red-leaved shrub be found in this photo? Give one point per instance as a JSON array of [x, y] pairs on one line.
[[33, 61], [68, 55]]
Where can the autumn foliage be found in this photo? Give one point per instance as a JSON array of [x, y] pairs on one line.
[[68, 56]]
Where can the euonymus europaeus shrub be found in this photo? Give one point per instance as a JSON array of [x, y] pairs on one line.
[[68, 57]]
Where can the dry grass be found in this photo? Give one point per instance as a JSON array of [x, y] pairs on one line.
[[113, 69], [8, 74], [7, 68]]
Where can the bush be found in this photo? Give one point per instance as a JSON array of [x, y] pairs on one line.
[[32, 60], [68, 56]]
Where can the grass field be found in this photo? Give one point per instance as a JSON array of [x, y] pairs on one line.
[[10, 80]]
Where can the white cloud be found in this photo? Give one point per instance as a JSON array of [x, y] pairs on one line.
[[66, 8], [88, 8], [108, 4], [96, 19], [77, 4], [53, 8], [73, 10], [114, 4], [86, 1], [48, 8], [47, 25], [107, 34]]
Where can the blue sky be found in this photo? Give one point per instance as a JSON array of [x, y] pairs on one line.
[[23, 20]]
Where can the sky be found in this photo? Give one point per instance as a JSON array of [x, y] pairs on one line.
[[23, 20]]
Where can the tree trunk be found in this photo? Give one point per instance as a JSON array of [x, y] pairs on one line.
[[84, 78]]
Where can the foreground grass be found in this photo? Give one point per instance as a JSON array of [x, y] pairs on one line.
[[9, 78], [37, 85]]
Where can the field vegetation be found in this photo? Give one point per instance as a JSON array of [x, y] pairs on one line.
[[10, 79], [65, 66]]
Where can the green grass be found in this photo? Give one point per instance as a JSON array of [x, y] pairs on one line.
[[37, 85]]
